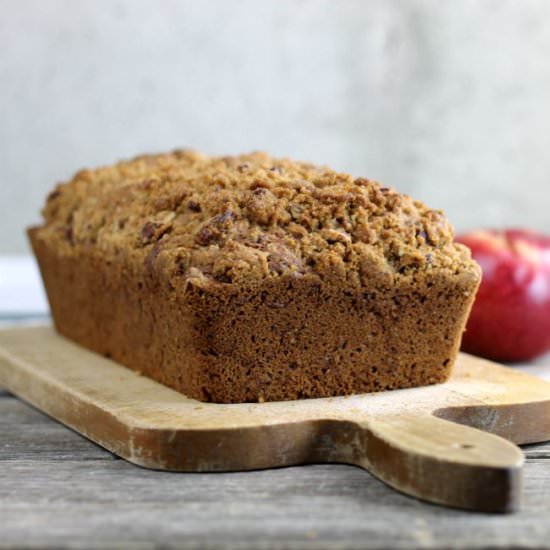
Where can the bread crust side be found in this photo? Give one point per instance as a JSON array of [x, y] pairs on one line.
[[284, 338]]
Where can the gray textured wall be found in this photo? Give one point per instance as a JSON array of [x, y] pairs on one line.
[[448, 101]]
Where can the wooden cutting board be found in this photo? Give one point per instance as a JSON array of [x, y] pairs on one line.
[[451, 444]]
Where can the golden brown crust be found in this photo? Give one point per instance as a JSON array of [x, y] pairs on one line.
[[247, 278], [246, 218]]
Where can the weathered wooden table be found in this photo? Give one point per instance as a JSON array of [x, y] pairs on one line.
[[59, 490]]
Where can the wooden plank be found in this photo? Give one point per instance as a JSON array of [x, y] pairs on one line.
[[538, 451], [103, 504], [26, 433], [81, 501], [395, 434]]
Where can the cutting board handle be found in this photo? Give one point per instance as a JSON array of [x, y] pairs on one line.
[[444, 462]]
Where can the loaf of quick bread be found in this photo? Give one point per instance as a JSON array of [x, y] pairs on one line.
[[247, 278]]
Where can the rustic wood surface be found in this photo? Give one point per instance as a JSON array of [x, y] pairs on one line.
[[59, 490], [403, 437]]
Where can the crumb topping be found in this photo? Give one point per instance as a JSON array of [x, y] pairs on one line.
[[245, 218]]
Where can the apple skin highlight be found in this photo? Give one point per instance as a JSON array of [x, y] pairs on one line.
[[510, 319]]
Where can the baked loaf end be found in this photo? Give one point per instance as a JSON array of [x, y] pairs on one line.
[[248, 278]]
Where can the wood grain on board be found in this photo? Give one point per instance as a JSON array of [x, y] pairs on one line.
[[407, 438]]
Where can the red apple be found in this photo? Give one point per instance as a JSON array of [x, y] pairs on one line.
[[510, 320]]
